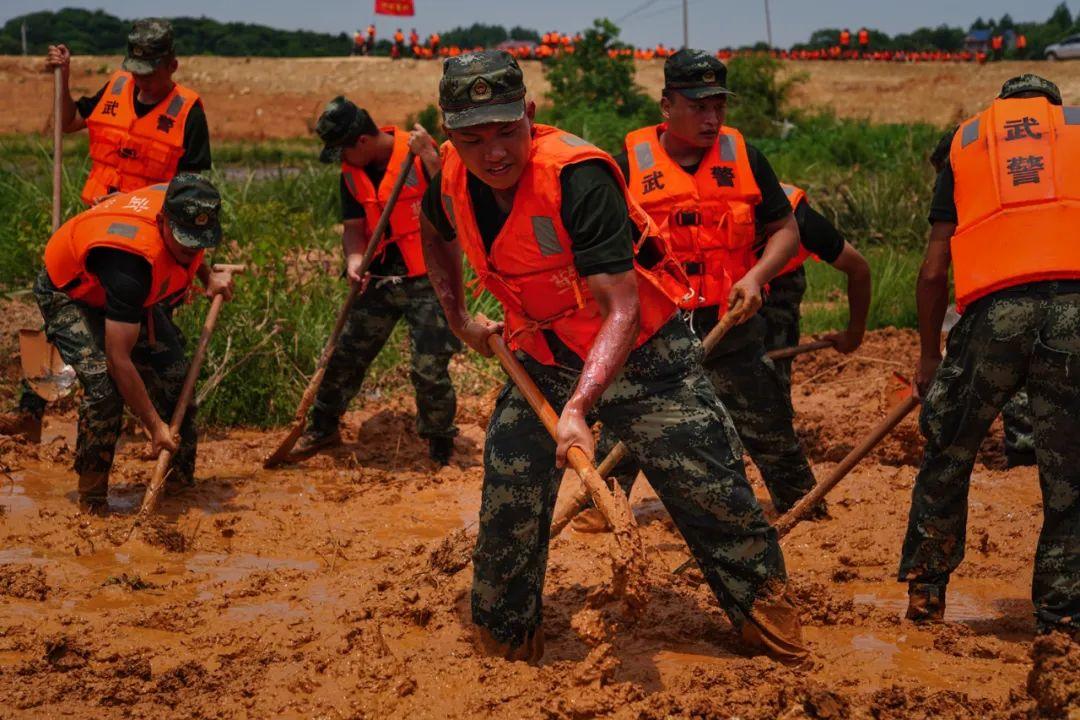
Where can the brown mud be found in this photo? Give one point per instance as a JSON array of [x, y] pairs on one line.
[[339, 588], [260, 98]]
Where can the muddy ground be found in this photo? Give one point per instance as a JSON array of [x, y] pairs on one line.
[[258, 98], [339, 588]]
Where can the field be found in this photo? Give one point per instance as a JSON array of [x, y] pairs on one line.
[[338, 588]]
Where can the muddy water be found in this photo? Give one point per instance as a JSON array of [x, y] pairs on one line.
[[326, 590]]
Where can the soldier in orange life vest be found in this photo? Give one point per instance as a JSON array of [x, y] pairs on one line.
[[396, 285], [1004, 216], [112, 274], [712, 194], [845, 38], [818, 238], [589, 292], [144, 128]]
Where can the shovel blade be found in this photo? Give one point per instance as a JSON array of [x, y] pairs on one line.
[[44, 370]]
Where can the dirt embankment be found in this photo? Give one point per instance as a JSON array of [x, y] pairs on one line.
[[259, 98], [339, 588]]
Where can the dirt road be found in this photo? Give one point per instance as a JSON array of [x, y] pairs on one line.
[[257, 98], [329, 589]]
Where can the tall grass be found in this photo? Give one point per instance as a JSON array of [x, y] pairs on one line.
[[893, 274]]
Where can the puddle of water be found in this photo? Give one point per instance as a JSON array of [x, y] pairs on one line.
[[279, 610], [671, 662], [966, 600], [229, 568]]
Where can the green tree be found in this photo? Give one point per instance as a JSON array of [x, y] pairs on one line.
[[1061, 17]]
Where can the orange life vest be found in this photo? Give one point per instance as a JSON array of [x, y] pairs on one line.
[[845, 37], [708, 217], [405, 218], [125, 222], [129, 152], [530, 267], [795, 196], [1017, 197], [864, 37]]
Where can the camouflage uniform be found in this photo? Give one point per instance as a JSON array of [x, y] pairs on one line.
[[663, 407], [782, 316], [1019, 429], [1002, 342], [372, 319], [78, 332]]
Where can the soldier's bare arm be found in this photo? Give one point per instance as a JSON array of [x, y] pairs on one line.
[[854, 265], [120, 338], [780, 246], [932, 297], [423, 147], [354, 240], [617, 295]]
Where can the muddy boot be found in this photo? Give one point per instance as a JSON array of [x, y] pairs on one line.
[[320, 434], [773, 628], [19, 423], [530, 651], [590, 520], [926, 602], [440, 449], [94, 493]]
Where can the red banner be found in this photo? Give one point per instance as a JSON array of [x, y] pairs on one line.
[[394, 7]]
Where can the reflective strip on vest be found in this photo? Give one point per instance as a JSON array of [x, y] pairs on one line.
[[969, 134], [118, 86], [788, 190], [1072, 114], [161, 186], [644, 156], [411, 179], [175, 106], [448, 205], [546, 236], [574, 140], [123, 230], [727, 148]]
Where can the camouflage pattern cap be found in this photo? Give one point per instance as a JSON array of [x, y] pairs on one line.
[[1030, 83], [149, 43], [339, 125], [695, 74], [482, 87], [193, 208]]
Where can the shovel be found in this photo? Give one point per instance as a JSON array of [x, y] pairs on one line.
[[58, 147], [44, 370], [157, 482], [281, 454]]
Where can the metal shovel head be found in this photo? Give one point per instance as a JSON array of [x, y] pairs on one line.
[[42, 366]]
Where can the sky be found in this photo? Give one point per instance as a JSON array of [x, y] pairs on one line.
[[713, 23]]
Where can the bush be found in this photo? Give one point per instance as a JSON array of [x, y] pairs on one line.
[[761, 97]]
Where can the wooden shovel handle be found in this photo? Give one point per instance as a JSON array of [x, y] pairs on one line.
[[58, 147], [796, 350]]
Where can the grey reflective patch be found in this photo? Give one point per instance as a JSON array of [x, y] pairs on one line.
[[448, 205], [970, 133], [160, 186], [727, 148], [574, 140], [788, 190], [123, 230], [118, 86], [350, 183], [643, 155], [411, 179], [1072, 114], [174, 106], [546, 237]]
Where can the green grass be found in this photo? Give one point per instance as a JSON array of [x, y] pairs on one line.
[[281, 208]]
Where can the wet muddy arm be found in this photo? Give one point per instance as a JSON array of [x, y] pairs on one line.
[[120, 338], [781, 245], [854, 265], [932, 298]]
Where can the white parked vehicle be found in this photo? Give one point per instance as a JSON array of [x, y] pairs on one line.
[[1065, 49]]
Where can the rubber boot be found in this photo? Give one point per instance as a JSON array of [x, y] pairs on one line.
[[321, 433], [19, 423], [926, 602], [94, 493], [440, 449], [773, 628]]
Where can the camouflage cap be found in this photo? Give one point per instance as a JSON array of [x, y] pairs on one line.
[[149, 43], [482, 87], [339, 125], [1030, 83], [193, 208], [695, 74]]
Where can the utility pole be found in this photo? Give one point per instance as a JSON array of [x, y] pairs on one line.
[[685, 25], [768, 25], [24, 52]]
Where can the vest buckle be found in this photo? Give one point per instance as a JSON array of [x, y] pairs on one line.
[[687, 218]]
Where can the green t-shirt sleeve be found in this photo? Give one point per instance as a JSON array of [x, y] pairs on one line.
[[595, 215]]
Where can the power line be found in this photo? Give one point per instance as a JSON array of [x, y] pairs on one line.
[[636, 10]]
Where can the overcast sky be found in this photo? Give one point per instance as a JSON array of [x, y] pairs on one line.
[[713, 23]]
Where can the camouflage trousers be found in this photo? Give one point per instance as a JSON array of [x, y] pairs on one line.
[[782, 316], [1001, 343], [78, 332], [372, 319], [664, 408]]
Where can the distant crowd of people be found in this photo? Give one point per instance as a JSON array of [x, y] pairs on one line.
[[554, 43]]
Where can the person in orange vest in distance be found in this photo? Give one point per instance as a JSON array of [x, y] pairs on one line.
[[589, 290], [864, 40], [1009, 176], [845, 39], [112, 275], [398, 49], [371, 39], [143, 127], [433, 43], [1021, 45], [395, 286], [358, 43], [414, 38], [997, 46], [715, 194]]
